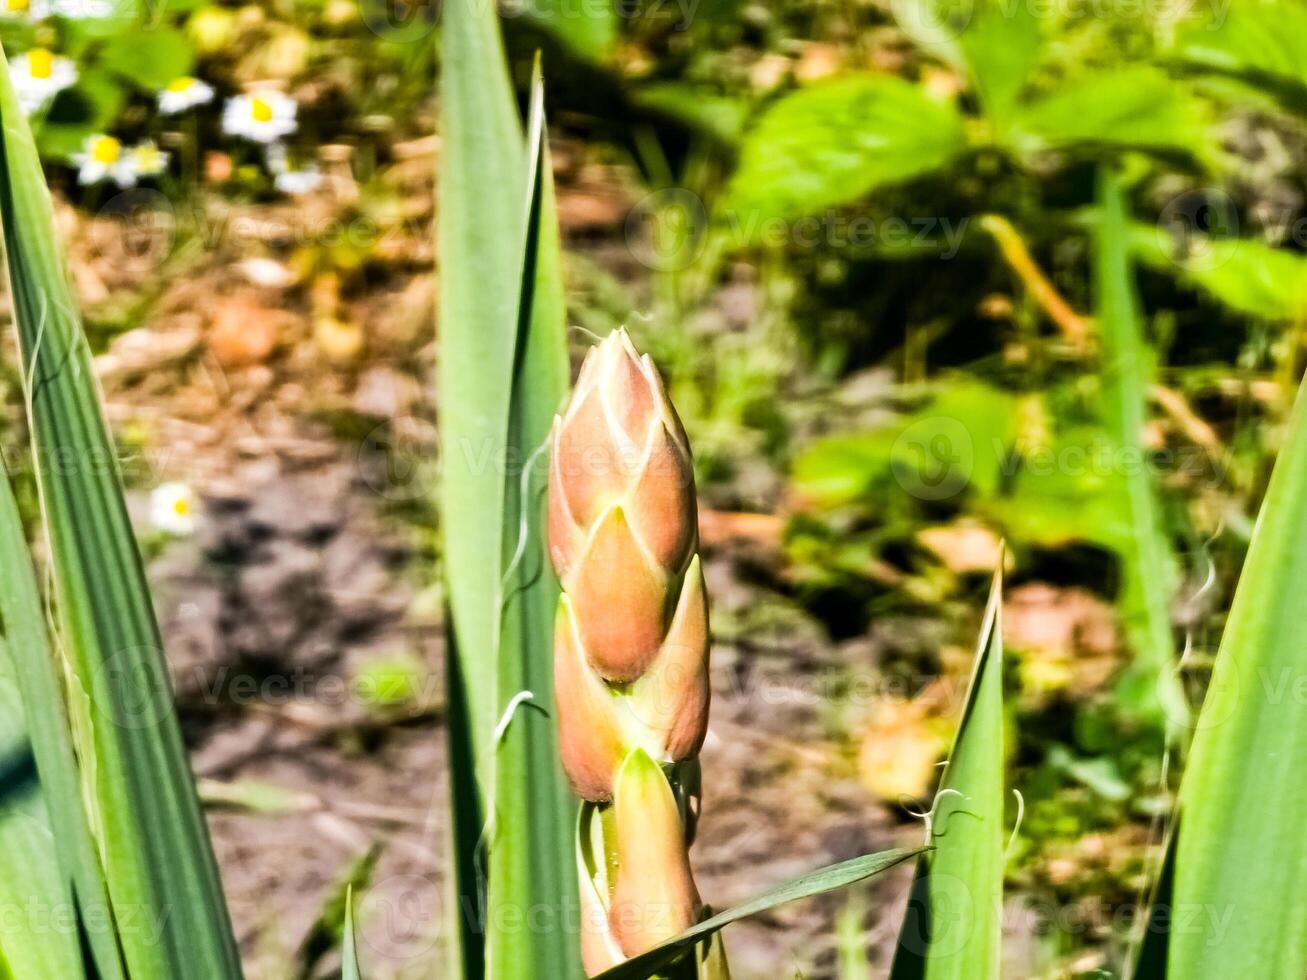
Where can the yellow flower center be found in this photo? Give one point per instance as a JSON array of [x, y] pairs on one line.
[[106, 149], [40, 62], [180, 84], [260, 110], [181, 507], [17, 6]]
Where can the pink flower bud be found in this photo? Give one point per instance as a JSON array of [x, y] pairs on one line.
[[620, 443], [599, 947], [589, 732], [654, 898], [620, 599], [671, 698]]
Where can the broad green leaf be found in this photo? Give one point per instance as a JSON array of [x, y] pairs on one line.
[[1262, 43], [956, 443], [836, 142], [149, 59], [1241, 856], [1064, 492], [1001, 47], [89, 107], [589, 29], [1248, 276], [1137, 107], [936, 26], [22, 614], [531, 860], [1148, 566], [142, 803], [38, 930], [953, 928], [814, 883], [481, 186], [721, 116]]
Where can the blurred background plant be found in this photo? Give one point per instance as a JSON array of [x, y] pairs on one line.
[[859, 240]]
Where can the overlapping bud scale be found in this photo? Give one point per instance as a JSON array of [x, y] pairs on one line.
[[631, 651], [631, 641]]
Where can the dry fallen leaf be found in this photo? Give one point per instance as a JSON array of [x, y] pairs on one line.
[[243, 332], [962, 547]]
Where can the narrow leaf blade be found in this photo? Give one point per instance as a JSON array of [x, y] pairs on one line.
[[1241, 853], [953, 927], [814, 883], [531, 861], [144, 809]]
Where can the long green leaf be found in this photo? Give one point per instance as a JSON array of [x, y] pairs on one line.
[[814, 883], [503, 376], [159, 866], [1149, 569], [953, 926], [38, 919], [23, 616], [1241, 859], [481, 185], [531, 860], [349, 954]]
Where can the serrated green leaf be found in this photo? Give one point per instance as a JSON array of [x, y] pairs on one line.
[[149, 59], [1136, 107], [151, 833], [1001, 47], [836, 142], [1262, 43], [814, 883], [1248, 276], [589, 29], [953, 927]]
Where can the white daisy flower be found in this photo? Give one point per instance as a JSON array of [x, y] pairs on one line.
[[261, 117], [69, 9], [38, 76], [102, 158], [182, 94], [147, 160], [173, 508]]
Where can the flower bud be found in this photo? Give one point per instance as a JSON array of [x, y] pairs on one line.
[[620, 442], [654, 898], [621, 600], [671, 699], [599, 947], [589, 730]]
